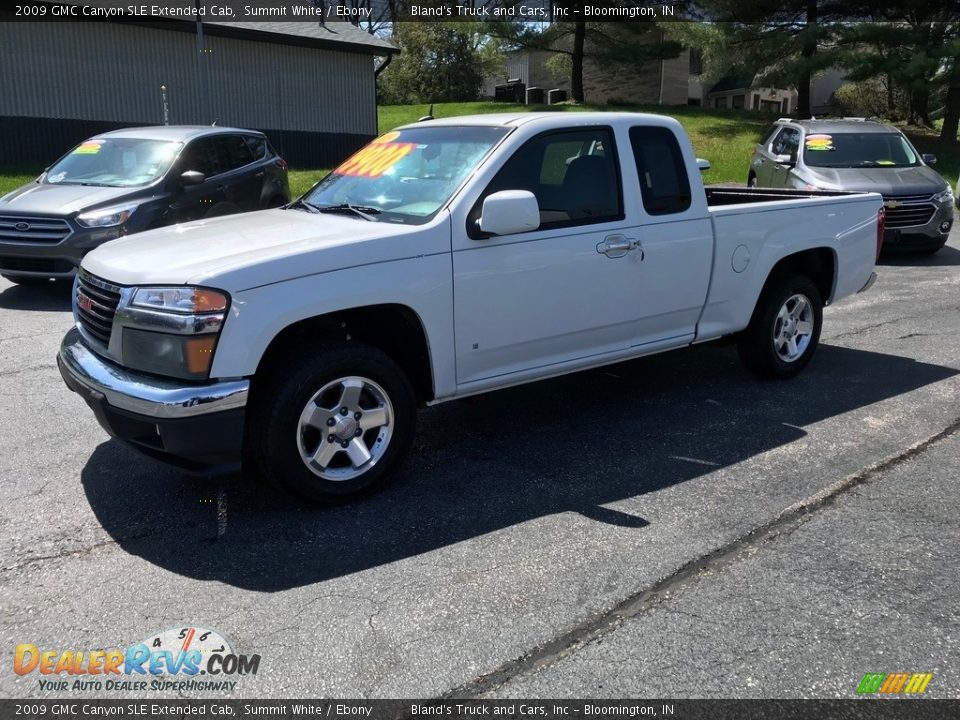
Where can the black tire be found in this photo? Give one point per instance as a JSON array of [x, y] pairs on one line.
[[757, 346], [275, 433], [26, 279]]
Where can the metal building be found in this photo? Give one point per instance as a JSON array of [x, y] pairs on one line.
[[309, 87]]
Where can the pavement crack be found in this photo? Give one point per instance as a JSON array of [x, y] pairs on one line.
[[868, 328], [600, 624]]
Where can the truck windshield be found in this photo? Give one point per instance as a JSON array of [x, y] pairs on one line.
[[850, 150], [114, 162], [406, 175]]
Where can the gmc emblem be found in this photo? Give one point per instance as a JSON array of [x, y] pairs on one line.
[[85, 302]]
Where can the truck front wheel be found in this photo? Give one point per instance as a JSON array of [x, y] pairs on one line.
[[335, 426], [785, 328]]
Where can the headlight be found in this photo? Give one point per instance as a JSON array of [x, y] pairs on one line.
[[945, 196], [107, 217], [180, 299], [183, 356], [173, 331]]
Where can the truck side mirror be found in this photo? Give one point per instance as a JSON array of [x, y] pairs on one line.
[[784, 159], [930, 158], [192, 177], [703, 164], [510, 211]]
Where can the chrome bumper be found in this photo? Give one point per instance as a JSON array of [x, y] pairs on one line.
[[143, 394]]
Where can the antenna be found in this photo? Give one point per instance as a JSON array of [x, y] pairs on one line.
[[428, 116]]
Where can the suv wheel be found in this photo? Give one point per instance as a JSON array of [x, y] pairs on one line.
[[336, 426], [785, 328]]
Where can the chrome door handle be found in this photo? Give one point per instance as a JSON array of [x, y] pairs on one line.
[[616, 246]]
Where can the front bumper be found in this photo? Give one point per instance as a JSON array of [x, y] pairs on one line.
[[198, 428], [56, 260], [921, 237]]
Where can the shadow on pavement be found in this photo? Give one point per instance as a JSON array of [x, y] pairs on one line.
[[46, 297], [482, 464], [944, 257]]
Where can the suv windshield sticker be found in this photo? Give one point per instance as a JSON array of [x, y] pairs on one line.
[[819, 142], [376, 158], [88, 148]]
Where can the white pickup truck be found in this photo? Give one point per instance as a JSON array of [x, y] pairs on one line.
[[447, 258]]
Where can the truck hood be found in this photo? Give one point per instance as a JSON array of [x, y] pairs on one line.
[[60, 200], [238, 252], [886, 181]]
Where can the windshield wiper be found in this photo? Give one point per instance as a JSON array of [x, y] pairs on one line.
[[300, 202], [363, 211]]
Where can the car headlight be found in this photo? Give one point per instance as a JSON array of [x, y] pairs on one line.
[[180, 299], [945, 196], [182, 356], [173, 331], [107, 217]]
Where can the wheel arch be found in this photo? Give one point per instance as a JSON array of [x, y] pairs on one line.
[[395, 329], [819, 264]]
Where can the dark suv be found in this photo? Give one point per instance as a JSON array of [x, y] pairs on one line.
[[125, 181]]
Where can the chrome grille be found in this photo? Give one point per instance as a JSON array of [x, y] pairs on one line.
[[909, 210], [97, 302], [23, 228]]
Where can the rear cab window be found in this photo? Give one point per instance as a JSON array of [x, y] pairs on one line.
[[664, 185]]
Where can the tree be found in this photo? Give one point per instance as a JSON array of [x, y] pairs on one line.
[[916, 44], [782, 42], [438, 62]]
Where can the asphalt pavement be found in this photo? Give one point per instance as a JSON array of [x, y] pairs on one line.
[[670, 526]]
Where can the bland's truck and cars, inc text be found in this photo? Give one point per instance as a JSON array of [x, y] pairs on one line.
[[447, 258]]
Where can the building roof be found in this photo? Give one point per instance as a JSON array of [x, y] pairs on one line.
[[333, 35], [732, 82]]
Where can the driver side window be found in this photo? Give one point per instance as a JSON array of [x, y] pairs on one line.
[[573, 174], [786, 143], [201, 156]]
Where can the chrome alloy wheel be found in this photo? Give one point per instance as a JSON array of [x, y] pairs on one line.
[[345, 428], [794, 328]]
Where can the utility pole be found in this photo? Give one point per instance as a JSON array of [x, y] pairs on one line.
[[166, 107]]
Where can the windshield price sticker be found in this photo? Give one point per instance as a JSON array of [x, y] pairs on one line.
[[87, 148], [819, 142], [377, 157]]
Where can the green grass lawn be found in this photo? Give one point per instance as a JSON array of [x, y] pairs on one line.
[[724, 137]]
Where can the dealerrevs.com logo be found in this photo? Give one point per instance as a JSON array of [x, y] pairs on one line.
[[179, 659], [894, 683]]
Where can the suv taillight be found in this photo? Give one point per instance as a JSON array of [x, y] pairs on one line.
[[881, 226]]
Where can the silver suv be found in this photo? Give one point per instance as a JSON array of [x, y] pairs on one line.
[[861, 156]]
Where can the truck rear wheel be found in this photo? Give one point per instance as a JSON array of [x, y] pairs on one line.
[[785, 328], [333, 427]]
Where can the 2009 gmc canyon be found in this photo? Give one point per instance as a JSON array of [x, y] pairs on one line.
[[447, 258]]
